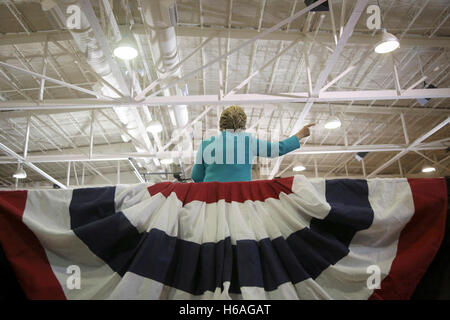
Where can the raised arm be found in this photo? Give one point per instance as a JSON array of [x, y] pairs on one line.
[[268, 149], [304, 132]]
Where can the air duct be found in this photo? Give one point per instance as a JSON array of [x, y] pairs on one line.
[[161, 17], [88, 44]]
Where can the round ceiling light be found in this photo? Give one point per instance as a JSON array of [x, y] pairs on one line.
[[388, 43], [167, 161], [333, 122], [428, 169], [298, 168], [20, 173], [125, 50]]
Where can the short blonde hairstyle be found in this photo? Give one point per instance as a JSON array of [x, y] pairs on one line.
[[233, 118]]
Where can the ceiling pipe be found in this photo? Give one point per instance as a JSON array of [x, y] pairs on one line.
[[161, 18], [85, 39]]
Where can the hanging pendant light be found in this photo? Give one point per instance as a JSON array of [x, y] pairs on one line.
[[20, 172], [126, 48], [299, 168], [388, 42], [428, 169], [333, 122], [167, 161], [125, 51]]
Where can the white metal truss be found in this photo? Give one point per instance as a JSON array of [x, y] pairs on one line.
[[243, 99], [310, 149], [410, 147]]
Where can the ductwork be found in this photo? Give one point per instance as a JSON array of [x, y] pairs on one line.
[[88, 44], [161, 17]]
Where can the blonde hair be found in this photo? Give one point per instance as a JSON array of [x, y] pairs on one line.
[[233, 118]]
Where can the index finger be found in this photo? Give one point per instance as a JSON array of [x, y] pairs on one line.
[[310, 124]]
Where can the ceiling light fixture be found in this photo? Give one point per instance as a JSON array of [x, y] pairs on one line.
[[388, 42], [428, 169], [154, 126], [298, 168], [125, 50], [167, 161], [333, 122], [20, 172]]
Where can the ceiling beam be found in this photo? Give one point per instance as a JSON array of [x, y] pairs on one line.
[[27, 162], [237, 48], [34, 37], [318, 107], [359, 39], [323, 76], [411, 147], [310, 149], [242, 99], [44, 77]]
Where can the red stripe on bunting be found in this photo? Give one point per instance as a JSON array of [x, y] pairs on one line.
[[211, 192], [419, 241], [24, 251]]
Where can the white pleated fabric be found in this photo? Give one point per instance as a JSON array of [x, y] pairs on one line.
[[295, 239]]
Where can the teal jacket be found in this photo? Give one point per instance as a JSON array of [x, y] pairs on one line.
[[229, 156]]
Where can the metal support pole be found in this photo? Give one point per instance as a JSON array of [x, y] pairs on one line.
[[316, 170], [341, 24], [91, 135], [363, 167], [400, 169], [405, 132], [27, 137], [82, 174], [308, 71], [44, 71], [118, 171], [75, 174], [398, 87], [136, 171], [333, 24], [68, 174]]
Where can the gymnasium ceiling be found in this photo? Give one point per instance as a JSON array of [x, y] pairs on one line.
[[362, 90]]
